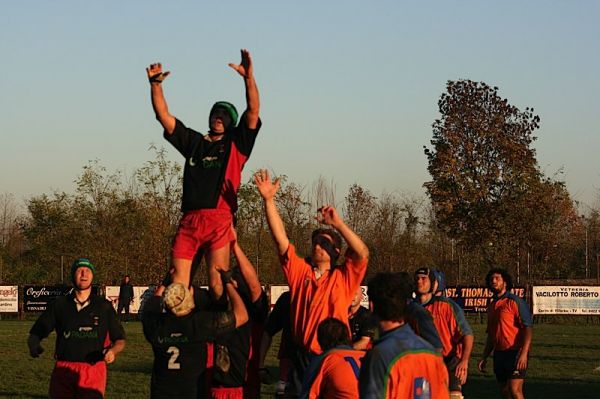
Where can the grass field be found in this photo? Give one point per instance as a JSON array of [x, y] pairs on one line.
[[565, 363]]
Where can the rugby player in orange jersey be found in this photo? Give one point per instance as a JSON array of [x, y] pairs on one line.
[[509, 335], [319, 288], [454, 330], [334, 374]]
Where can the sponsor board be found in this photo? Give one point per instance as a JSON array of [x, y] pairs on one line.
[[37, 297], [9, 299], [570, 300], [475, 299], [140, 295]]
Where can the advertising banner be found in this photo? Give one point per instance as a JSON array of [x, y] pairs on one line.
[[9, 299], [140, 295], [37, 297], [573, 300], [476, 299]]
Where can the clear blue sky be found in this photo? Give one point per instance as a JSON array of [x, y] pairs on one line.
[[349, 89]]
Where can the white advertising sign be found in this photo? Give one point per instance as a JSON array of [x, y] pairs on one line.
[[9, 299], [140, 295], [573, 300]]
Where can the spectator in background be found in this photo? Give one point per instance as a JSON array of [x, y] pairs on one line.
[[125, 297], [88, 337]]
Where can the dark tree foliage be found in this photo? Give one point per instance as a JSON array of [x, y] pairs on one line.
[[487, 192], [480, 161]]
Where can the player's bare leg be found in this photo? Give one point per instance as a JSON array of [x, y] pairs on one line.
[[181, 271], [216, 260], [515, 387], [504, 390]]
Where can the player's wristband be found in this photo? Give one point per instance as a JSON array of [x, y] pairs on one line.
[[158, 78]]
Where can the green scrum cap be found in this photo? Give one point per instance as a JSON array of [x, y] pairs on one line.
[[81, 262], [230, 108]]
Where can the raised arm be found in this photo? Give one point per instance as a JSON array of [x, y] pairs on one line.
[[237, 304], [246, 70], [267, 190], [248, 272], [328, 215], [156, 76]]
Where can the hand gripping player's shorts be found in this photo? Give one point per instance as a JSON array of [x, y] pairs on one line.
[[205, 228], [505, 366]]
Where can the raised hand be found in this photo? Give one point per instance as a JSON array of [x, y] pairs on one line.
[[156, 74], [329, 216], [244, 68], [266, 187]]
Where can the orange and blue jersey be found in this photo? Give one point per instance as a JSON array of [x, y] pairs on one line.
[[508, 316], [450, 323], [403, 365], [312, 300], [333, 374], [421, 321]]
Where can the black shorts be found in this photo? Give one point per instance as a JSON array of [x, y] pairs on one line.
[[300, 360], [453, 382], [505, 366], [165, 389]]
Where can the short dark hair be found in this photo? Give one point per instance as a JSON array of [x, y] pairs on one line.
[[389, 293], [332, 332], [335, 237], [505, 276]]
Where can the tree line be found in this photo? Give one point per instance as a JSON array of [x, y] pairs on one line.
[[487, 204]]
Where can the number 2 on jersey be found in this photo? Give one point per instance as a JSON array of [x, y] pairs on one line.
[[173, 365]]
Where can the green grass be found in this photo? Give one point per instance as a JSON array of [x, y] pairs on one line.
[[562, 364]]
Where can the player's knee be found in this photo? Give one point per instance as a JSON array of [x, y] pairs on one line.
[[516, 390], [456, 395]]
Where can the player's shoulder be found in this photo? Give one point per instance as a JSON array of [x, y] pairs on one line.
[[102, 303], [513, 299]]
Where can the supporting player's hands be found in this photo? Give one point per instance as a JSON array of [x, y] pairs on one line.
[[35, 349], [481, 365], [329, 216], [462, 370], [266, 187], [522, 361], [244, 68], [156, 74]]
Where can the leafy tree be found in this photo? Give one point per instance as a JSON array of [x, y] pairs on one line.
[[358, 208], [480, 161], [486, 190]]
